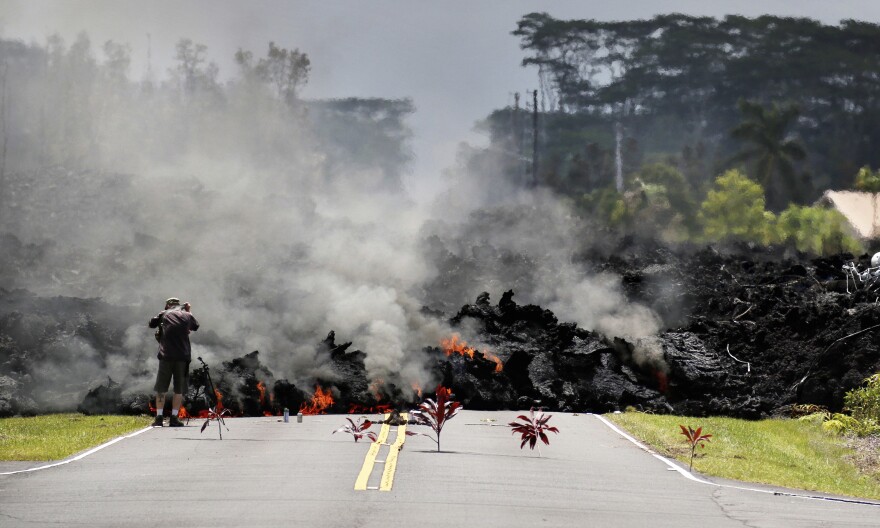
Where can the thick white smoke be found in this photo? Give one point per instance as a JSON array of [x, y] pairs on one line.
[[236, 201]]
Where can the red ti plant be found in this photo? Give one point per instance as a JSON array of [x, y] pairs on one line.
[[434, 414], [358, 430], [533, 428], [694, 438]]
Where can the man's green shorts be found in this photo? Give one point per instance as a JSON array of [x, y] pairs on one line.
[[169, 369]]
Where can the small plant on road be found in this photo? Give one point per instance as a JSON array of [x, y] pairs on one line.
[[435, 414], [694, 438], [532, 428], [358, 429]]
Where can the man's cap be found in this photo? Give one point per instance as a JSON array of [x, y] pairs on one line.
[[172, 301]]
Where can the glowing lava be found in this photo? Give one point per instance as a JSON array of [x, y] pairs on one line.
[[379, 408], [262, 388], [319, 403], [457, 345]]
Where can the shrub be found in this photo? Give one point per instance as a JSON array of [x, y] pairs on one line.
[[435, 414], [694, 438], [358, 429], [734, 210], [840, 424], [864, 402], [816, 418], [816, 230], [533, 428], [868, 180]]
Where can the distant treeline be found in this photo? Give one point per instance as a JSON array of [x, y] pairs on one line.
[[682, 127], [80, 108], [674, 84]]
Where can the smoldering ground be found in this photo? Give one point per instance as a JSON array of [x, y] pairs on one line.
[[265, 212]]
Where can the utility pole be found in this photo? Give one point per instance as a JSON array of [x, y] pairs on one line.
[[517, 135], [618, 157], [5, 128], [535, 138]]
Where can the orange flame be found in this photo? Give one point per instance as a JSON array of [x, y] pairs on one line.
[[380, 408], [375, 388], [320, 401], [662, 381], [417, 388], [262, 388], [457, 345], [204, 413], [219, 401]]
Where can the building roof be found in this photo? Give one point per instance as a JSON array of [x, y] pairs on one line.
[[861, 209]]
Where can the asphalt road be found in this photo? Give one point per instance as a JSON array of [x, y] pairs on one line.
[[268, 473]]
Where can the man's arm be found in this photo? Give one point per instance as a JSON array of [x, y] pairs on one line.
[[154, 322], [193, 323]]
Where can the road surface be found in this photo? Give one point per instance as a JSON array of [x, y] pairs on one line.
[[268, 473]]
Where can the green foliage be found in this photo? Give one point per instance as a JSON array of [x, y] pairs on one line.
[[764, 131], [841, 424], [816, 418], [816, 230], [676, 79], [668, 196], [864, 405], [864, 402], [868, 180], [658, 202], [611, 207], [734, 210]]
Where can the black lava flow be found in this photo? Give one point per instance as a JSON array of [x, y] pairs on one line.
[[747, 336]]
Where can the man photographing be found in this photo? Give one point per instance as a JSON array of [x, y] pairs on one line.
[[174, 324]]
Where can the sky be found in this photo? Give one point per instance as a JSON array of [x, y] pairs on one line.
[[456, 59]]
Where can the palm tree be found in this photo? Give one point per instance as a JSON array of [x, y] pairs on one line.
[[771, 149]]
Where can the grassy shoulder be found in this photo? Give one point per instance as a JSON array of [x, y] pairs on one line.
[[57, 436], [788, 453]]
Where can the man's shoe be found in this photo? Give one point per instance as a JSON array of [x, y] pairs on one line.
[[158, 422], [174, 422]]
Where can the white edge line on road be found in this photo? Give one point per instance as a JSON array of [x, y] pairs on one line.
[[81, 455], [690, 476]]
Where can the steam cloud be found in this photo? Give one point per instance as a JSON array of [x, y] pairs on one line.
[[229, 198]]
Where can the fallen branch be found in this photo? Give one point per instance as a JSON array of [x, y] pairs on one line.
[[810, 370], [748, 365], [749, 309]]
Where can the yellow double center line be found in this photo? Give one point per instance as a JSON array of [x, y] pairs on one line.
[[390, 461]]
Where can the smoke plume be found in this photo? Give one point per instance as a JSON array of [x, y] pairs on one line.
[[279, 219]]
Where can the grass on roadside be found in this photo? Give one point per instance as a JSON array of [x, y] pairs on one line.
[[57, 436], [788, 453]]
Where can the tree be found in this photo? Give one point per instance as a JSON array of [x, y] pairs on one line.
[[816, 230], [868, 180], [675, 80], [667, 191], [774, 153], [285, 70], [734, 210], [192, 73]]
